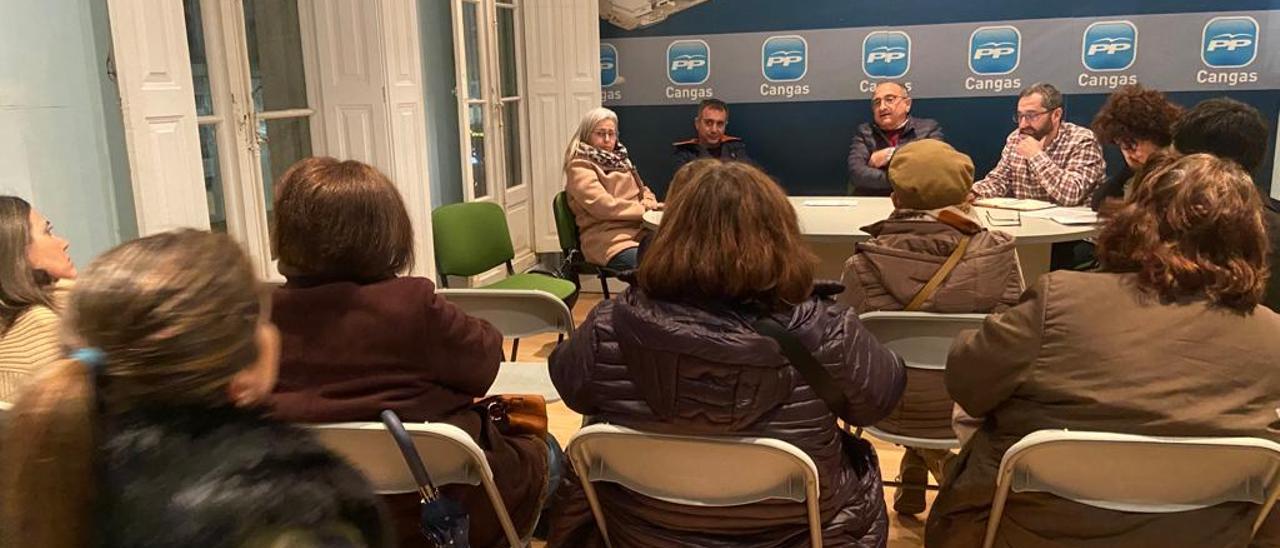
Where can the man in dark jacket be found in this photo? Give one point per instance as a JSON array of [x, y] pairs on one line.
[[1236, 131], [874, 143], [711, 142]]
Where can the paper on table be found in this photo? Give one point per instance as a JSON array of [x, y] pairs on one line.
[[1075, 216], [830, 202]]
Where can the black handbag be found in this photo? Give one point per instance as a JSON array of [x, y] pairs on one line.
[[859, 451]]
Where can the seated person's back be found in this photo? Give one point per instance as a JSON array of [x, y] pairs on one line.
[[358, 339], [677, 353], [1131, 350]]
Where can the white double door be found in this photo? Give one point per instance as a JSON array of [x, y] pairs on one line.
[[488, 48], [222, 96]]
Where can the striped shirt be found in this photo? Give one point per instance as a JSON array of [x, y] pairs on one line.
[[1065, 173], [30, 344]]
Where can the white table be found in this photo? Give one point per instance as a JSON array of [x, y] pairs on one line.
[[831, 231]]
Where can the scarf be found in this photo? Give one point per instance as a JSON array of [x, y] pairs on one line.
[[609, 162]]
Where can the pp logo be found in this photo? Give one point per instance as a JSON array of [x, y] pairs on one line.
[[784, 58], [886, 54], [1229, 42], [1109, 45], [608, 65], [688, 62], [995, 50]]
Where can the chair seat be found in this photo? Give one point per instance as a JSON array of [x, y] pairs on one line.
[[562, 289], [525, 378]]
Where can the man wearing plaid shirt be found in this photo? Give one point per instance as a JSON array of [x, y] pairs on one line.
[[1045, 158]]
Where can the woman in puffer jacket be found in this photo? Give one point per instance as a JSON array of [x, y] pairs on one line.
[[677, 354]]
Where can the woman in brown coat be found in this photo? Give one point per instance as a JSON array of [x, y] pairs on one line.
[[930, 221], [1167, 340], [677, 354], [358, 339], [606, 194]]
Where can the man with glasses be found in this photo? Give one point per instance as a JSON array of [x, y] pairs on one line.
[[711, 142], [1046, 158], [874, 143]]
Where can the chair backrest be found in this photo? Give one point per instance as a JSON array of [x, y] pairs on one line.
[[450, 456], [922, 339], [514, 312], [695, 471], [566, 224], [1139, 474], [470, 238]]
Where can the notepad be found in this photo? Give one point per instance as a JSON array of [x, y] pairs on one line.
[[830, 203], [1023, 204]]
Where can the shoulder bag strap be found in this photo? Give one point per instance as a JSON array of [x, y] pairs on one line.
[[813, 373], [938, 277]]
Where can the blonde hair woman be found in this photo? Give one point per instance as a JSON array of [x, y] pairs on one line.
[[151, 435], [606, 194]]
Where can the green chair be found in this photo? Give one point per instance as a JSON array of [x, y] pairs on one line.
[[576, 262], [472, 237]]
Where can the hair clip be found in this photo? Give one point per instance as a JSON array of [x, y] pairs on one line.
[[91, 357]]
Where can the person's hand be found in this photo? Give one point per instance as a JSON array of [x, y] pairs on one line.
[[651, 204], [880, 158], [1029, 146]]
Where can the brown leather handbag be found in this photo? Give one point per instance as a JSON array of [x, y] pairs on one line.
[[517, 414]]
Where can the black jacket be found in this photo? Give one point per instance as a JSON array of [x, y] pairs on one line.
[[679, 369], [865, 180], [731, 148], [219, 477]]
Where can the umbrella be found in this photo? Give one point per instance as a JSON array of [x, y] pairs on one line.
[[444, 522]]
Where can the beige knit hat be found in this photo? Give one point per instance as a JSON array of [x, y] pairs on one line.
[[929, 174]]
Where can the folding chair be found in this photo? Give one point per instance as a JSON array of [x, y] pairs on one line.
[[517, 313], [1139, 474], [694, 471], [450, 455], [923, 340], [567, 230]]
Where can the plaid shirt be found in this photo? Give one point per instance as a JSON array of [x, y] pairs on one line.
[[1065, 173]]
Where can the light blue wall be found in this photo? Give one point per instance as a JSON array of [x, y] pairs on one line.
[[61, 138], [442, 106]]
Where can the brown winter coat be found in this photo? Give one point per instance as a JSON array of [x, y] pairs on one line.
[[887, 271], [672, 368], [349, 351], [1088, 351], [607, 207]]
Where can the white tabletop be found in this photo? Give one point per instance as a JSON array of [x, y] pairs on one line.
[[841, 218]]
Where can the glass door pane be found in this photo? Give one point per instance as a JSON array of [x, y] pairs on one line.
[[511, 142], [274, 40], [479, 181], [213, 178]]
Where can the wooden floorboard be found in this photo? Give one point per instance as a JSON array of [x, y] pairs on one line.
[[904, 531]]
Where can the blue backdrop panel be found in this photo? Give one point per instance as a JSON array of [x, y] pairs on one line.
[[804, 143]]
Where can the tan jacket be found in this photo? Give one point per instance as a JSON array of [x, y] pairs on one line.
[[608, 208], [1088, 351]]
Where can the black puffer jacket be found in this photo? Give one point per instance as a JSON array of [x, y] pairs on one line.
[[679, 369]]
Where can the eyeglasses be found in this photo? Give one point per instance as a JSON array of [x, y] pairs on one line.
[[1002, 218], [605, 134], [1018, 117], [887, 100]]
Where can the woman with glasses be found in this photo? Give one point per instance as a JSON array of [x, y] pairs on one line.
[[605, 192]]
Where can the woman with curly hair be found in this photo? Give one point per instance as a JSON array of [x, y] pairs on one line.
[[1166, 340], [1140, 122]]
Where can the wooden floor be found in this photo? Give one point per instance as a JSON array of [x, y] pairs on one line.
[[904, 531]]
